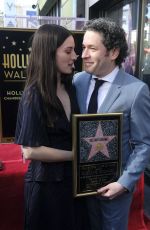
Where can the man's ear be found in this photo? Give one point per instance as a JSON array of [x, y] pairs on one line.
[[114, 53]]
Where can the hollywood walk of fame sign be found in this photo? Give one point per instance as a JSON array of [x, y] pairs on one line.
[[15, 47], [14, 56], [97, 151]]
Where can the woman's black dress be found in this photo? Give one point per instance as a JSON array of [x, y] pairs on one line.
[[49, 203]]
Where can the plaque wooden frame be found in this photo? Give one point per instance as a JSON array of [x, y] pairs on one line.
[[97, 151]]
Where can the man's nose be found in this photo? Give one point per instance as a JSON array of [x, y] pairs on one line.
[[85, 53]]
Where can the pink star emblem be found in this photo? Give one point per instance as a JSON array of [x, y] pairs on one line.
[[99, 143]]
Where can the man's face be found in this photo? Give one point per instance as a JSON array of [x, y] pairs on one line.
[[96, 59]]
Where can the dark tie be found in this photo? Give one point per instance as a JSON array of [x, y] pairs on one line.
[[93, 104]]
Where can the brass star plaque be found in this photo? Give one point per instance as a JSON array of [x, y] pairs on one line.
[[97, 151]]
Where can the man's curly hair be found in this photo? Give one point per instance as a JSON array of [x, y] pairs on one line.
[[113, 36]]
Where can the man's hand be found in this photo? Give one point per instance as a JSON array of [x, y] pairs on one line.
[[111, 190]]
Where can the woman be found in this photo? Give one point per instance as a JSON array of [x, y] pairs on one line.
[[44, 129]]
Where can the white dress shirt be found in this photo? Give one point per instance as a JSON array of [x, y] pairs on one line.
[[103, 90]]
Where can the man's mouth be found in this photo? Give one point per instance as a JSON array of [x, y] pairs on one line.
[[88, 63]]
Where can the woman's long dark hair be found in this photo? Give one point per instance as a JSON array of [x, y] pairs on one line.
[[42, 69]]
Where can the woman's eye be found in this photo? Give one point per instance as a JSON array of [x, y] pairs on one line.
[[68, 51]]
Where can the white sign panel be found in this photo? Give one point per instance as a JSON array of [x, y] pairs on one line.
[[10, 13]]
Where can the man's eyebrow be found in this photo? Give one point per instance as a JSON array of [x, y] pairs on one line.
[[89, 45]]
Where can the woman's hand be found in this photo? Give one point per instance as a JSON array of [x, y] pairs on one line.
[[46, 154], [26, 152]]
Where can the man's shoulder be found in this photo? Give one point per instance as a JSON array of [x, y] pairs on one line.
[[130, 78], [80, 76]]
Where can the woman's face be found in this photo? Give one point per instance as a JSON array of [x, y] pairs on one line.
[[65, 56]]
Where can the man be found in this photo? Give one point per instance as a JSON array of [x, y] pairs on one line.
[[104, 49]]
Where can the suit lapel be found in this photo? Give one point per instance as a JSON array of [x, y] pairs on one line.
[[113, 93], [82, 91], [85, 92]]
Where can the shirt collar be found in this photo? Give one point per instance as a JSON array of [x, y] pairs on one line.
[[109, 77]]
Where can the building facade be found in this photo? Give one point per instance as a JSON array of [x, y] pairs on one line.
[[132, 15]]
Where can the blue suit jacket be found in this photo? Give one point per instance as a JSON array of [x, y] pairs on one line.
[[130, 96]]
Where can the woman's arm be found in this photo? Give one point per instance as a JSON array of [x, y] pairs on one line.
[[46, 154]]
